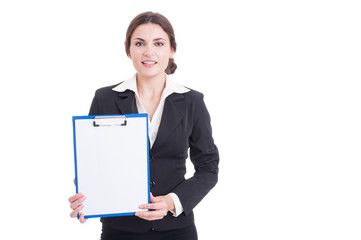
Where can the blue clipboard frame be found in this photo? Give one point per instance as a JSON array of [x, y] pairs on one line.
[[74, 118]]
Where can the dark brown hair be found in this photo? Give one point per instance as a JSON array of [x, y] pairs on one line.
[[155, 18]]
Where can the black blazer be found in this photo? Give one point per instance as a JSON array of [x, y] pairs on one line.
[[185, 125]]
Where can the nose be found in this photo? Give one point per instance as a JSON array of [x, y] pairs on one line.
[[149, 51]]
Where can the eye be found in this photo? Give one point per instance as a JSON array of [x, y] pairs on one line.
[[159, 44], [139, 44]]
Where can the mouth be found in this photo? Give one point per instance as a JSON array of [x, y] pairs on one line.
[[149, 62]]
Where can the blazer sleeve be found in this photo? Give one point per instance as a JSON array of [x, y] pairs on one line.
[[94, 107], [205, 158]]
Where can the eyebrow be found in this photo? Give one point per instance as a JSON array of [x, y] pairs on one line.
[[156, 39]]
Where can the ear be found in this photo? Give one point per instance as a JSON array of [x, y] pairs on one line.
[[128, 51], [172, 52]]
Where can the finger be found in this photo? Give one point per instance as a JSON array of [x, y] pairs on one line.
[[153, 206], [81, 218], [152, 215], [75, 197], [74, 181], [78, 202], [75, 212]]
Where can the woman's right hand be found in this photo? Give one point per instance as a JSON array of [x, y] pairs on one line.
[[76, 204]]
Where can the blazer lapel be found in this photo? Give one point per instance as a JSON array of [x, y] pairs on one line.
[[126, 102], [173, 113]]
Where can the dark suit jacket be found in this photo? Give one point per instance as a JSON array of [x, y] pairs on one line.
[[185, 125]]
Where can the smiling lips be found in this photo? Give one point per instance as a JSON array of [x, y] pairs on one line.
[[149, 63]]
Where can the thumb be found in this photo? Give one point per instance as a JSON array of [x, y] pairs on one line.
[[154, 199]]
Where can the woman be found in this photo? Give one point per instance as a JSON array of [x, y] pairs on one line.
[[179, 121]]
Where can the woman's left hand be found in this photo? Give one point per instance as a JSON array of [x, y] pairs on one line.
[[159, 205]]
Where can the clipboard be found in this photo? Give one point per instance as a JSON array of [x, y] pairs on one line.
[[111, 156]]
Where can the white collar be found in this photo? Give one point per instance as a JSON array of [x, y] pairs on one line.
[[170, 87]]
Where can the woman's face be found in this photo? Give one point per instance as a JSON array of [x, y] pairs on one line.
[[150, 50]]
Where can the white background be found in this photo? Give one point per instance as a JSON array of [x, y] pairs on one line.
[[281, 80]]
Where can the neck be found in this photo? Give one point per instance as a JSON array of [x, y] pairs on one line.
[[151, 87]]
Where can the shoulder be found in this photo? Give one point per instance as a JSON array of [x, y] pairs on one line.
[[193, 95], [106, 90], [193, 100], [104, 101]]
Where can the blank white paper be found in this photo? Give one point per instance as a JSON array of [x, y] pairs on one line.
[[112, 166]]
